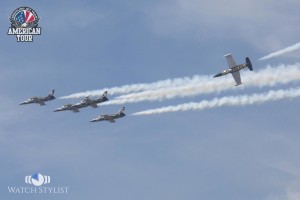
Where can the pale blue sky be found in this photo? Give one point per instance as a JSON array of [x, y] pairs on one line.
[[248, 152]]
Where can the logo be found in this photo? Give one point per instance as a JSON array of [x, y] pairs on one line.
[[24, 24], [37, 179]]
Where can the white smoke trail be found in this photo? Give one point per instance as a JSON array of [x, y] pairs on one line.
[[272, 95], [125, 89], [281, 52], [269, 76]]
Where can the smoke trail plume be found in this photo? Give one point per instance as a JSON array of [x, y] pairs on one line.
[[125, 89], [266, 77], [272, 95], [282, 52]]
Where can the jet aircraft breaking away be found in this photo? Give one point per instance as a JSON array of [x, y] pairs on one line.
[[110, 118], [40, 100], [84, 103], [234, 69]]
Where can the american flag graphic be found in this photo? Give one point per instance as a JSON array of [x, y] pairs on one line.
[[24, 16]]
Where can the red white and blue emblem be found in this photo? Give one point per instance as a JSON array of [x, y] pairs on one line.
[[24, 23], [24, 17]]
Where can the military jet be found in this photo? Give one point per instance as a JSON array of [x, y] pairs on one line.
[[93, 102], [70, 107], [111, 118], [40, 100], [82, 104], [234, 69]]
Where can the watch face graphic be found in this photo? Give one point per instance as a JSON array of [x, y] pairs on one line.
[[37, 179]]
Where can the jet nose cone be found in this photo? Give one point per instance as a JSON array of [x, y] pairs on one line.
[[219, 74], [56, 110], [22, 103]]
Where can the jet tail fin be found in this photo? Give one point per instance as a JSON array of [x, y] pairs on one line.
[[249, 64], [122, 110], [104, 94], [50, 96], [51, 93]]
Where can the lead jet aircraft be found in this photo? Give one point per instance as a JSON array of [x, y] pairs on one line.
[[234, 69], [111, 118], [40, 100], [93, 102]]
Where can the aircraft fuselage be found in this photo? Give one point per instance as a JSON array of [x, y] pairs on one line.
[[233, 69], [109, 118]]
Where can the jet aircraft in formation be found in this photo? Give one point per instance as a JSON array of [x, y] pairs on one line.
[[65, 107], [234, 69], [111, 117], [39, 100], [93, 102], [84, 103]]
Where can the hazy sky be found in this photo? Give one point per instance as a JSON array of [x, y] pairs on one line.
[[244, 152]]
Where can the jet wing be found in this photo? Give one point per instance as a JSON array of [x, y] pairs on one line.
[[237, 77], [42, 103], [87, 100], [75, 110], [109, 118], [230, 60], [94, 105]]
